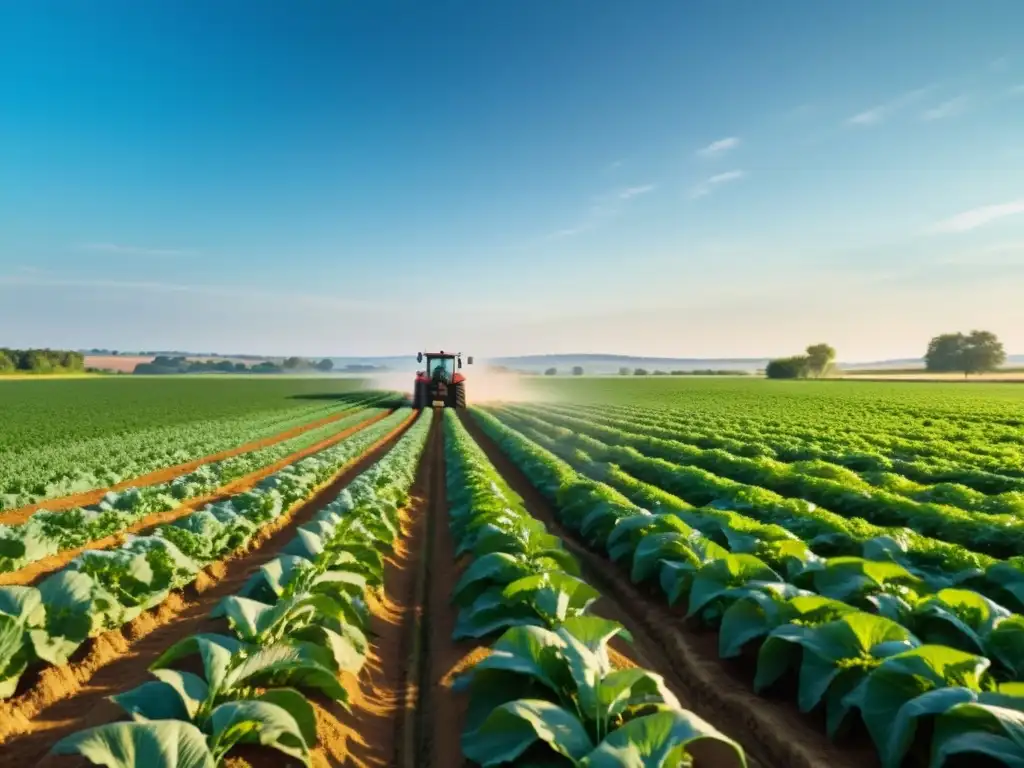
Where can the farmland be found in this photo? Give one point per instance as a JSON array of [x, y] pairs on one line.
[[608, 572]]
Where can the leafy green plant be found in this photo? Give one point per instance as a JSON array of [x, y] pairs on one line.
[[559, 688]]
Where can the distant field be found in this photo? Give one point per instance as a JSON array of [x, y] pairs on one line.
[[125, 364], [919, 374], [816, 401], [39, 412]]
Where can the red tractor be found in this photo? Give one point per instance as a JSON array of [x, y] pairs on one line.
[[440, 383]]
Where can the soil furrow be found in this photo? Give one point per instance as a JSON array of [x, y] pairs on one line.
[[65, 699], [37, 571], [381, 726], [163, 475], [442, 712], [772, 732]]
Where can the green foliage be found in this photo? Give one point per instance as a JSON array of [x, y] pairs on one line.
[[819, 359], [797, 367], [63, 437], [869, 622], [255, 688], [40, 361], [976, 352]]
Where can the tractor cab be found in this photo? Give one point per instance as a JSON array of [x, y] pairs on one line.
[[440, 382]]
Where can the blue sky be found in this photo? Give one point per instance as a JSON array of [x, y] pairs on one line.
[[684, 177]]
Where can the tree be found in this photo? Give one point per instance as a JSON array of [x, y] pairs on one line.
[[325, 365], [292, 363], [796, 367], [819, 359], [983, 352], [623, 371], [577, 370], [639, 371], [976, 352], [551, 372]]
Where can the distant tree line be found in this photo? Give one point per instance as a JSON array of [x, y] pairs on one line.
[[696, 372], [967, 353], [40, 361], [167, 365]]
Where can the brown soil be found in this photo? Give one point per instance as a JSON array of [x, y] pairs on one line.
[[442, 711], [35, 572], [119, 363], [164, 475], [773, 733], [385, 692], [62, 700]]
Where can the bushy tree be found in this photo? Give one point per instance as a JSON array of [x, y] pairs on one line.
[[577, 370], [639, 371], [976, 352], [325, 365], [623, 371], [819, 359], [551, 372], [796, 367]]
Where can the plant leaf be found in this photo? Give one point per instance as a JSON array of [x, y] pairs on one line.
[[662, 740], [153, 744], [512, 728]]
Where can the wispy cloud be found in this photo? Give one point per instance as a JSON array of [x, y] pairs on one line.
[[881, 112], [709, 184], [605, 207], [720, 147], [948, 108], [999, 64], [629, 192], [44, 279], [978, 217], [614, 165], [135, 250]]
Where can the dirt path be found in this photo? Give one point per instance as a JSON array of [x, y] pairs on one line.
[[37, 571], [164, 475], [61, 700], [442, 711], [773, 732], [383, 700], [405, 716]]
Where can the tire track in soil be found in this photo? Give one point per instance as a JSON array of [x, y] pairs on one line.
[[35, 572], [62, 700], [165, 474], [380, 726], [442, 712], [773, 733]]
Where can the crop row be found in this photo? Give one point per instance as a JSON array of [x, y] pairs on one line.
[[997, 535], [549, 679], [965, 482], [860, 635], [30, 473], [104, 589], [974, 427], [48, 533], [940, 562], [295, 627], [910, 468]]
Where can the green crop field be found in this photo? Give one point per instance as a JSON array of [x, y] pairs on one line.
[[67, 436], [605, 572]]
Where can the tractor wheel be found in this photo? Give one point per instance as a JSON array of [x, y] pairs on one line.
[[460, 395], [419, 396]]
